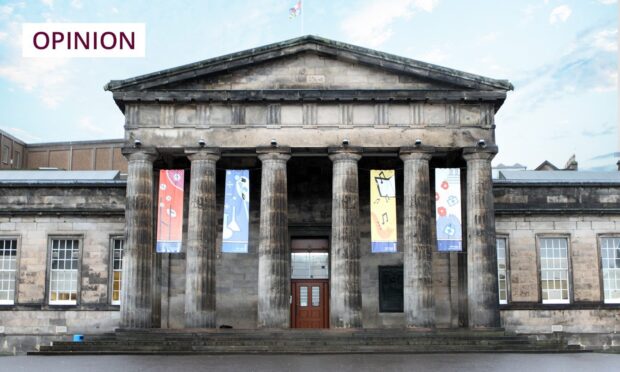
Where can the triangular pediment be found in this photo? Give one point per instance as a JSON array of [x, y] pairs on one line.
[[309, 70], [309, 62]]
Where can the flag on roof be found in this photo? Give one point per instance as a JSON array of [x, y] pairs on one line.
[[295, 11]]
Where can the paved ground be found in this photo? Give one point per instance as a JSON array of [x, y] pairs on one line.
[[315, 363]]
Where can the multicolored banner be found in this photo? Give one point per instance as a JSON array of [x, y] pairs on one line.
[[448, 209], [170, 211], [383, 211], [236, 211]]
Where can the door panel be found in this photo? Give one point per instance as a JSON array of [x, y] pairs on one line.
[[309, 307]]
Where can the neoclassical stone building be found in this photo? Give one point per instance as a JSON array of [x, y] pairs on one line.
[[309, 118]]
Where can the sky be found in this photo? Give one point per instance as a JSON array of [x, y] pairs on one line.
[[561, 56]]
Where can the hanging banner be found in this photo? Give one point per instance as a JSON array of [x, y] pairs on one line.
[[236, 211], [170, 211], [448, 209], [383, 211]]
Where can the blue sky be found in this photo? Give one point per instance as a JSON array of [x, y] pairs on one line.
[[561, 55]]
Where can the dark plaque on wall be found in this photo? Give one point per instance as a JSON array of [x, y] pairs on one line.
[[391, 289]]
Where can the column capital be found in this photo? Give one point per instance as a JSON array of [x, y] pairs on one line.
[[282, 153], [139, 153], [480, 153], [352, 153], [203, 153], [417, 152]]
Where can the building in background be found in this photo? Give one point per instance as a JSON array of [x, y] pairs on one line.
[[308, 119]]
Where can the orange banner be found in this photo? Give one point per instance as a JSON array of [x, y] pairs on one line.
[[170, 211]]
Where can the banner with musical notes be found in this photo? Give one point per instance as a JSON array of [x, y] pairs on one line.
[[383, 211], [448, 209], [236, 211], [170, 211]]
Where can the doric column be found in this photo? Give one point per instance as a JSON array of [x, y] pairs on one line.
[[345, 289], [201, 236], [417, 245], [138, 261], [274, 276], [482, 295]]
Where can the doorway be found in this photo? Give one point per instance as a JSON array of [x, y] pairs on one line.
[[310, 283]]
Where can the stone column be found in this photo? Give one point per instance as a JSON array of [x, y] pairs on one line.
[[345, 290], [274, 272], [138, 261], [201, 237], [482, 295], [417, 245]]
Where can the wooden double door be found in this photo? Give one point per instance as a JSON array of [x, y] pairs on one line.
[[310, 283], [310, 303]]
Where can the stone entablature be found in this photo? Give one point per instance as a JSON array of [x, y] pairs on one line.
[[309, 115]]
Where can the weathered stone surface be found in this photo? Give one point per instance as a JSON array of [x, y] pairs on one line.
[[136, 299], [345, 287], [418, 269], [482, 295], [200, 280], [274, 278]]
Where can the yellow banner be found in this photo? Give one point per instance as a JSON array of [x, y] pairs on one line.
[[383, 210]]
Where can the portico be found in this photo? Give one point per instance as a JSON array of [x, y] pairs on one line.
[[308, 117]]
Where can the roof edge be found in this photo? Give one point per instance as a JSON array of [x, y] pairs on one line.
[[499, 84]]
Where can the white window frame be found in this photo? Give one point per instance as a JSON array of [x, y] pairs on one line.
[[505, 270], [113, 269], [543, 271], [3, 268], [604, 262], [50, 282]]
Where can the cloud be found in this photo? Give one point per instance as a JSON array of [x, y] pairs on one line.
[[371, 24], [589, 64], [77, 4], [49, 3], [606, 40], [3, 35], [607, 2], [21, 134], [560, 14], [604, 130], [86, 123], [46, 78], [490, 37], [435, 55]]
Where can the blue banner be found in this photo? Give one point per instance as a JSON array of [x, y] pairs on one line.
[[448, 209], [236, 211]]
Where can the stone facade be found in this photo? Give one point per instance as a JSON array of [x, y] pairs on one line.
[[308, 118]]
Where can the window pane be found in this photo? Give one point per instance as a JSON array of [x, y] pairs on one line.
[[64, 271], [117, 268], [610, 260], [502, 275], [8, 263], [316, 296], [303, 296], [554, 270]]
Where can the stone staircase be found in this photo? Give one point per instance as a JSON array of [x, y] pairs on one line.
[[233, 341]]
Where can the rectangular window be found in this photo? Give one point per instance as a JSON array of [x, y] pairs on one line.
[[610, 261], [554, 270], [8, 265], [117, 269], [5, 154], [18, 160], [391, 289], [502, 273], [65, 255]]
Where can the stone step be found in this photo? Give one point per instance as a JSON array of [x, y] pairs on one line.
[[302, 341]]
